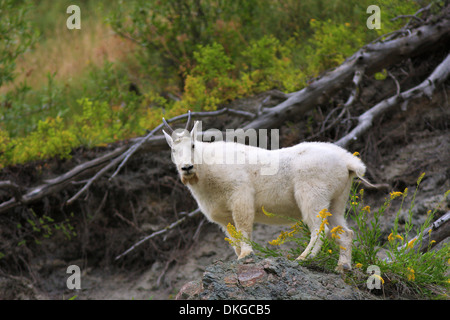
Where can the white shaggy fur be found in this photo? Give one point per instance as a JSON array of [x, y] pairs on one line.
[[311, 176]]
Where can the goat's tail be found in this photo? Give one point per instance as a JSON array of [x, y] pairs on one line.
[[357, 168]]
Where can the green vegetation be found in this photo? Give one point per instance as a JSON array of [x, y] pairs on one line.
[[61, 89]]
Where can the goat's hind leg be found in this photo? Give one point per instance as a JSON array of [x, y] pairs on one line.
[[343, 235], [310, 208]]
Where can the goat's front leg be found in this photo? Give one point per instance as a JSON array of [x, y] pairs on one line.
[[243, 217]]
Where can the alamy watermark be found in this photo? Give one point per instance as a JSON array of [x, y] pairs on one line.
[[374, 20], [375, 280], [74, 20], [229, 153], [74, 280]]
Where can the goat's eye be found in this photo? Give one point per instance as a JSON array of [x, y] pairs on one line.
[[193, 146]]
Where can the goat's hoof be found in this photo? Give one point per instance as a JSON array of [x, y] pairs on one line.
[[245, 253], [301, 258], [341, 268]]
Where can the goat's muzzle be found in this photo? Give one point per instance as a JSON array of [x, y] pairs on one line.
[[187, 168]]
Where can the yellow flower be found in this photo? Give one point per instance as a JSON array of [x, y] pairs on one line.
[[411, 275], [329, 251], [274, 242], [392, 237], [359, 265], [411, 243], [336, 231], [395, 194], [324, 214], [342, 248], [233, 232], [356, 153], [366, 208], [347, 24], [284, 235]]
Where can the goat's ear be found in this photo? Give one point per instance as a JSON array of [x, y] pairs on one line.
[[194, 131], [168, 139]]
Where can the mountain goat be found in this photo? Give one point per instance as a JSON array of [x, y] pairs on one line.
[[310, 177]]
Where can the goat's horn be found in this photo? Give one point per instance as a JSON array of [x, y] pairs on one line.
[[167, 126], [188, 123]]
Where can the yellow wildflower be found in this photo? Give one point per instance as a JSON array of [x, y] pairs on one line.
[[395, 194], [231, 242], [284, 235], [323, 214], [356, 153], [274, 242], [329, 251], [411, 274], [336, 231], [392, 237], [342, 248], [233, 232], [366, 208], [411, 243], [358, 265], [347, 24]]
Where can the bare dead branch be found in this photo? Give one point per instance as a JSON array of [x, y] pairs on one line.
[[426, 88], [159, 232], [15, 189]]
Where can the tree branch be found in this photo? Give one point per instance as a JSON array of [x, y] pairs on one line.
[[427, 88], [156, 233]]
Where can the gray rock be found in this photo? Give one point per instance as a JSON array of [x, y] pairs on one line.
[[257, 278]]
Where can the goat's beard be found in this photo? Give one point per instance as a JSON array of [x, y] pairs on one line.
[[192, 178]]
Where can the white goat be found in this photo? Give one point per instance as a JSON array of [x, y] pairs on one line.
[[311, 176]]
